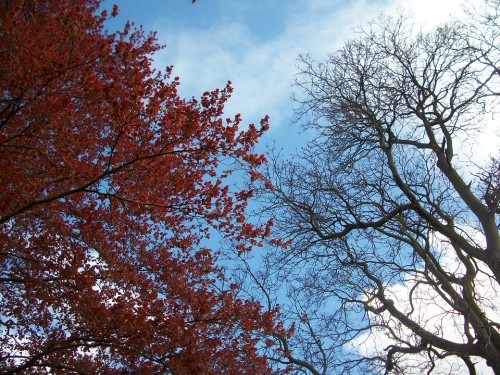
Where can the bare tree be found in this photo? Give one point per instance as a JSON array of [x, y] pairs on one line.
[[394, 262]]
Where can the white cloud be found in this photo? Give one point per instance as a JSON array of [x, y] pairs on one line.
[[431, 311], [262, 72]]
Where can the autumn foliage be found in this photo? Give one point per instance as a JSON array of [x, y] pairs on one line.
[[109, 182]]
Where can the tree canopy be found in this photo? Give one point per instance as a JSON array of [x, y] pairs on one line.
[[109, 182], [393, 263]]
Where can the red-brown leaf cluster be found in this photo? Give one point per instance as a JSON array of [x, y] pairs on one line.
[[109, 181]]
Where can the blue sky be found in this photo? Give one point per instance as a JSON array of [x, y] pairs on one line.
[[255, 44]]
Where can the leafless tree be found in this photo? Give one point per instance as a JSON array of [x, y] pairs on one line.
[[394, 261]]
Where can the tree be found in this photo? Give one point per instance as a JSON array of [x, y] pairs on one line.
[[109, 184], [393, 264]]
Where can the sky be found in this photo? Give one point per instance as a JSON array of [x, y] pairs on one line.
[[255, 44]]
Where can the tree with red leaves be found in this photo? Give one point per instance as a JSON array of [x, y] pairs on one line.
[[109, 183]]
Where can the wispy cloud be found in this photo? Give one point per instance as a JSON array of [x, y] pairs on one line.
[[262, 69]]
